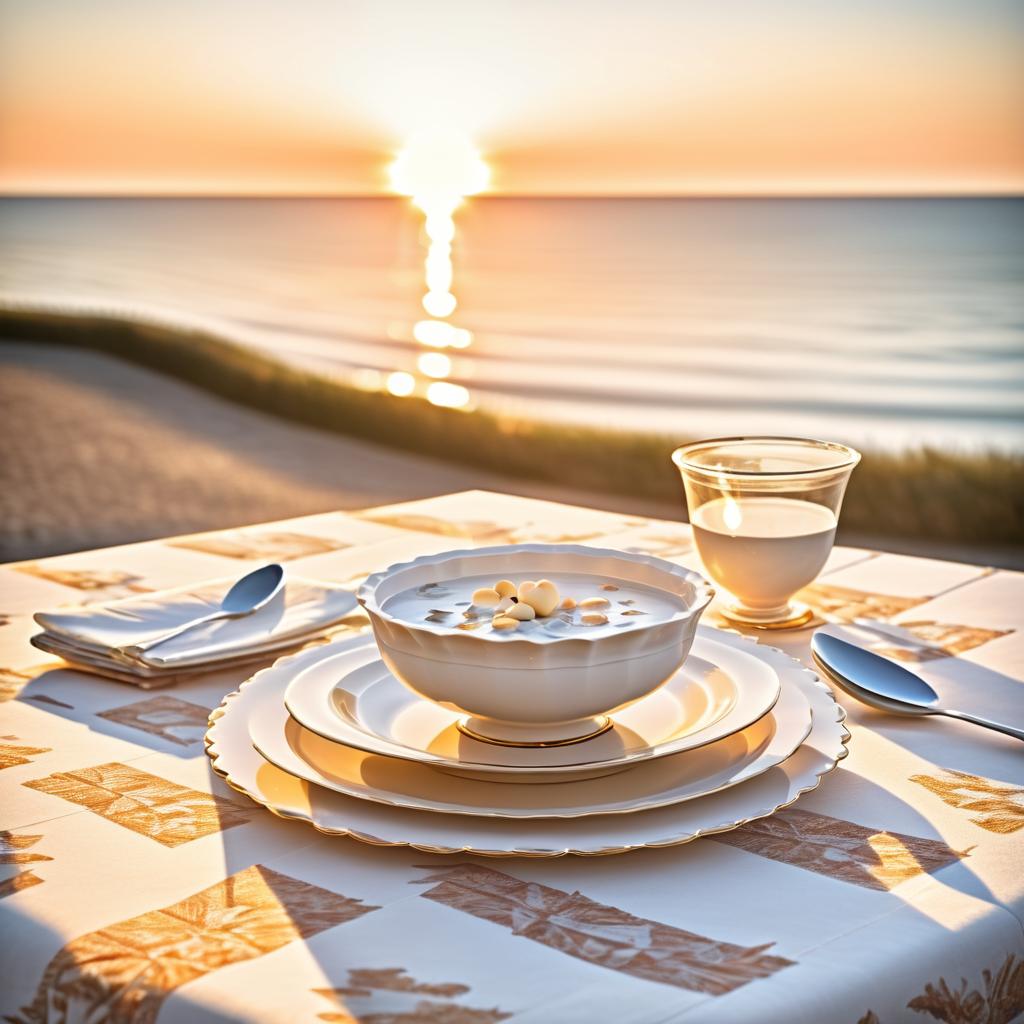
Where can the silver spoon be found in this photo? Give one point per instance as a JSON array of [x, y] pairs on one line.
[[252, 592], [883, 684]]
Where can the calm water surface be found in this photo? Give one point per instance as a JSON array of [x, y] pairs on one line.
[[885, 322]]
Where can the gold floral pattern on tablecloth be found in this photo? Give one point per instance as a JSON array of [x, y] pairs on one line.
[[930, 640], [125, 971], [843, 850], [600, 934], [274, 545], [112, 582], [12, 754], [145, 803], [471, 529], [845, 604], [916, 641], [172, 719], [486, 531], [363, 990], [994, 806], [22, 880], [12, 854], [1001, 1002], [14, 680]]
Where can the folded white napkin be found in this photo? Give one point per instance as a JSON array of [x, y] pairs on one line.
[[101, 637]]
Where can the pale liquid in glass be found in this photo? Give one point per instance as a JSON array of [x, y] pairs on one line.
[[763, 550]]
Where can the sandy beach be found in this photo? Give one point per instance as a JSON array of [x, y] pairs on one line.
[[107, 453]]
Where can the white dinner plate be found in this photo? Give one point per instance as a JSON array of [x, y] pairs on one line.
[[652, 783], [237, 761], [353, 699]]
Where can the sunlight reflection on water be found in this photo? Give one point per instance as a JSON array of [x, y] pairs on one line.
[[438, 170]]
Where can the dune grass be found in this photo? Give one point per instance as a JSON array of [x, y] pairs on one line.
[[924, 494]]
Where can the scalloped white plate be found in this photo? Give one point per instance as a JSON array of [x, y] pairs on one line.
[[352, 699], [234, 758], [401, 783]]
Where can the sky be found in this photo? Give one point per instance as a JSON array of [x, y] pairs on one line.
[[560, 97]]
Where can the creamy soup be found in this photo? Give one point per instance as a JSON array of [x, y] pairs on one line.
[[600, 605]]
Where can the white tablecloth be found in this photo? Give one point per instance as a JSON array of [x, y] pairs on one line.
[[137, 886]]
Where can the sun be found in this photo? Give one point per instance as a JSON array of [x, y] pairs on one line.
[[439, 166]]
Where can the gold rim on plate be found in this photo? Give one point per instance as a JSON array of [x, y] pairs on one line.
[[308, 704], [835, 752]]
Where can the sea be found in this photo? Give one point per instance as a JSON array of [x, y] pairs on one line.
[[885, 323]]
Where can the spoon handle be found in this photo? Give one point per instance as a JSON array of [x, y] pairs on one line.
[[1007, 730], [148, 645]]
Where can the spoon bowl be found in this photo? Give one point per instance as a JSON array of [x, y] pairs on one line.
[[253, 591], [891, 688], [882, 684]]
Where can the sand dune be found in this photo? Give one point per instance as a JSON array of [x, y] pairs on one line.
[[105, 453]]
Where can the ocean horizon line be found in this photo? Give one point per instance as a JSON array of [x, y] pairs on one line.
[[654, 196]]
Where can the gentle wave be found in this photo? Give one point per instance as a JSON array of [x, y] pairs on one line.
[[888, 322]]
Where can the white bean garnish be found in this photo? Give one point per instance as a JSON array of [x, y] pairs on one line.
[[543, 598], [522, 611]]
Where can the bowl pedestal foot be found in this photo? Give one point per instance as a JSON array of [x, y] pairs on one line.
[[510, 734]]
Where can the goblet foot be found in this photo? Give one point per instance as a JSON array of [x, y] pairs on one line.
[[792, 615]]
